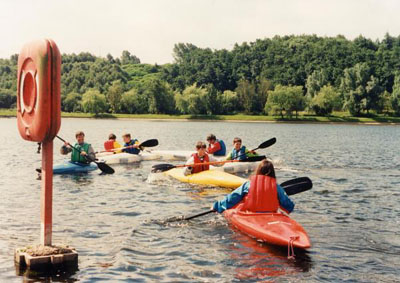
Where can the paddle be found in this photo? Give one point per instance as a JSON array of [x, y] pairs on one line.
[[147, 143], [291, 187], [102, 166], [165, 167]]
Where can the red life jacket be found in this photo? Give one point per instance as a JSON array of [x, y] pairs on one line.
[[108, 145], [262, 196], [197, 169]]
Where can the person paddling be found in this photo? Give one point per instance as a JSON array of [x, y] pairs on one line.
[[216, 147], [260, 194], [132, 144], [85, 150], [112, 144], [199, 157], [239, 152]]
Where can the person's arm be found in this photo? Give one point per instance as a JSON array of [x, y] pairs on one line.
[[213, 148], [188, 170], [232, 199], [229, 157], [91, 154], [285, 203], [250, 153]]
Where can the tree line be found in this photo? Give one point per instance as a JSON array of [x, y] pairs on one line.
[[274, 76]]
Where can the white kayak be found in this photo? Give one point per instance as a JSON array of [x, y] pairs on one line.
[[237, 167], [124, 158], [182, 155]]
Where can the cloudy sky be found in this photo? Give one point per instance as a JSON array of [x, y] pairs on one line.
[[150, 28]]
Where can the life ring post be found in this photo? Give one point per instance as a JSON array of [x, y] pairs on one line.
[[39, 120], [46, 199]]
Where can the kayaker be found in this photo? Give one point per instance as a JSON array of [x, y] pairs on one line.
[[199, 157], [86, 151], [260, 194], [112, 144], [239, 151], [215, 147], [132, 144]]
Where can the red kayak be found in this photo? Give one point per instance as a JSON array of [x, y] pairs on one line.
[[273, 228]]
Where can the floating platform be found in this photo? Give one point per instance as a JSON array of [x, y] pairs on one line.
[[46, 257]]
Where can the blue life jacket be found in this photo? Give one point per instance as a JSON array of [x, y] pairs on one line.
[[222, 151], [239, 154], [131, 150]]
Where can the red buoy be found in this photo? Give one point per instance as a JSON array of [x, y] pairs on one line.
[[38, 91]]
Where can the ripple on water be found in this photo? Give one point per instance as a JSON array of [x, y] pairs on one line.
[[117, 221]]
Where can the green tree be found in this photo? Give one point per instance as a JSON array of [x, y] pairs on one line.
[[8, 98], [134, 103], [128, 58], [229, 102], [315, 82], [94, 102], [192, 100], [213, 100], [72, 102], [385, 104], [160, 97], [285, 98], [372, 95], [395, 99], [325, 101], [353, 87], [247, 95], [114, 94]]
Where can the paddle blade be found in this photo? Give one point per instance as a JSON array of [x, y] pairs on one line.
[[267, 143], [149, 143], [254, 158], [161, 168], [105, 168], [297, 185]]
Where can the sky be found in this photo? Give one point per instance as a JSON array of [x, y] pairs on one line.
[[150, 28]]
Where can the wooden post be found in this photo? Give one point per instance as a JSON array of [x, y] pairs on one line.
[[46, 209]]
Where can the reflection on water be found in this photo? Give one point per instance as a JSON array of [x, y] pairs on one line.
[[259, 261], [115, 221]]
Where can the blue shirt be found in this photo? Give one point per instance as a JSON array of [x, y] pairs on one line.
[[237, 195]]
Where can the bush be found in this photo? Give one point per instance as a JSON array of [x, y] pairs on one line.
[[8, 98]]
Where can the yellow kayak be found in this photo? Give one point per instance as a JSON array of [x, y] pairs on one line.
[[209, 177]]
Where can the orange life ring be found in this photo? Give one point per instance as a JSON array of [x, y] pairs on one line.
[[38, 91]]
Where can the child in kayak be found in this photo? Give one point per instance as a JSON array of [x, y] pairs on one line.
[[132, 144], [85, 153], [199, 157], [260, 194], [239, 152], [215, 147], [112, 144]]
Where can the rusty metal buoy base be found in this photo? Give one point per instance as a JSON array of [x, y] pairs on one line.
[[45, 258]]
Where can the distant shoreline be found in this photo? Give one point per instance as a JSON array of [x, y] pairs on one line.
[[302, 119]]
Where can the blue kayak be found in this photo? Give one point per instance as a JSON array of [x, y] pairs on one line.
[[73, 167]]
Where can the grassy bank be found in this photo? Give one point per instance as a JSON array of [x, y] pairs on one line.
[[336, 117]]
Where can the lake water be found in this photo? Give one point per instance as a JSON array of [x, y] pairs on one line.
[[352, 214]]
